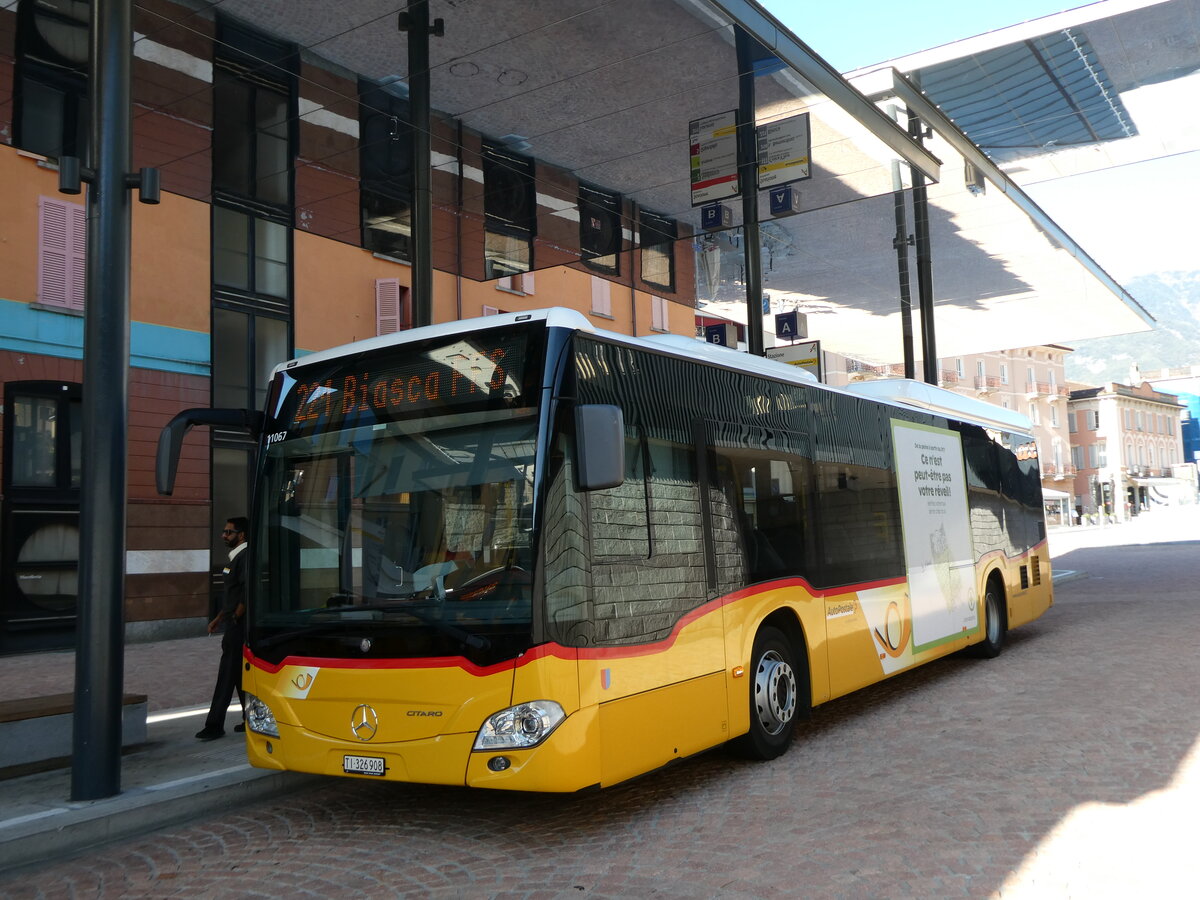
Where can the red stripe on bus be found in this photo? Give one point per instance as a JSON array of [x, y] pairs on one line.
[[571, 653]]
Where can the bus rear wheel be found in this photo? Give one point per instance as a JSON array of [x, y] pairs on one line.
[[994, 624], [774, 695]]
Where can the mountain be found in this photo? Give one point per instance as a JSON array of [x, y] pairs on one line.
[[1173, 298]]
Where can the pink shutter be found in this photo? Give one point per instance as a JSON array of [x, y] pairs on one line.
[[658, 313], [601, 296], [490, 311], [505, 283], [527, 283], [54, 287], [387, 305], [76, 255]]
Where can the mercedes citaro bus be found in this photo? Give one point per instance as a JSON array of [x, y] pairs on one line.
[[519, 552]]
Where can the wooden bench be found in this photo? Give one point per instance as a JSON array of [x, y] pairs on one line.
[[38, 729]]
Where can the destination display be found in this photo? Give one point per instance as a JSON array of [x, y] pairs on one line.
[[489, 368]]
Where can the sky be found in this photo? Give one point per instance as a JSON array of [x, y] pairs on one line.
[[1092, 208], [850, 34]]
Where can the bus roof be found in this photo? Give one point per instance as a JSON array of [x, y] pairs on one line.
[[893, 391]]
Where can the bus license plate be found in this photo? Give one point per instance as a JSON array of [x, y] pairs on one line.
[[363, 765]]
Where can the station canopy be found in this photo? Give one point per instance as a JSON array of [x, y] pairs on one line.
[[606, 93]]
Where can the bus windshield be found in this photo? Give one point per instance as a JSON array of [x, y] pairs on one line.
[[398, 536]]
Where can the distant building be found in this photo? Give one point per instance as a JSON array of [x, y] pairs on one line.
[[1126, 444], [1184, 382]]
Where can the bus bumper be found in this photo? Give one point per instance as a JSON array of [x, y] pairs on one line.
[[568, 760]]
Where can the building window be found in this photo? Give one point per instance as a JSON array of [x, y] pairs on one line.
[[253, 143], [251, 149], [251, 255], [600, 232], [385, 170], [601, 297], [62, 253], [660, 319], [510, 212], [521, 283], [51, 109], [1033, 413], [1102, 452], [1141, 421], [658, 235], [1093, 419], [246, 347], [1071, 421], [1077, 457], [1004, 373], [1053, 415]]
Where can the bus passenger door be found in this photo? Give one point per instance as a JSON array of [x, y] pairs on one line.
[[659, 668]]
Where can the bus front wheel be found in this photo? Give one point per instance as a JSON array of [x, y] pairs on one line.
[[773, 697]]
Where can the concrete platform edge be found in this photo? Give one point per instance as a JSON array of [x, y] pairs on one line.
[[83, 826]]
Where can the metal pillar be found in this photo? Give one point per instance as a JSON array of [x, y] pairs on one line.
[[99, 660], [901, 243], [415, 21], [924, 260], [747, 160]]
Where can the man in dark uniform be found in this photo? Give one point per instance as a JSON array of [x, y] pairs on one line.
[[233, 615]]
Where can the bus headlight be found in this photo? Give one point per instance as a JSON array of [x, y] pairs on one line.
[[259, 717], [518, 727]]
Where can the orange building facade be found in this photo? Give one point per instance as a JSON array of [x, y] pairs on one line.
[[283, 229]]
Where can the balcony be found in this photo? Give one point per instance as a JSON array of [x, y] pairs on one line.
[[1040, 389], [1058, 473], [987, 384], [949, 378]]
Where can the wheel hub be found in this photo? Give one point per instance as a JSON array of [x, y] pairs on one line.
[[774, 693]]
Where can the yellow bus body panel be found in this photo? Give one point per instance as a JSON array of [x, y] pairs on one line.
[[629, 710], [426, 717]]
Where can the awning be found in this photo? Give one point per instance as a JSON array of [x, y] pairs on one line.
[[1051, 494]]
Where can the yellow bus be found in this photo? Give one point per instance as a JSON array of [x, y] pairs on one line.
[[518, 552]]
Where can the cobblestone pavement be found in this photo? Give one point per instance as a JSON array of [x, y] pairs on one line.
[[184, 676], [1063, 768]]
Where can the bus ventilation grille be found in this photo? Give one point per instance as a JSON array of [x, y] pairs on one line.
[[1036, 564], [1024, 577]]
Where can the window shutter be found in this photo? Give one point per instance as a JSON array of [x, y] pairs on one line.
[[77, 260], [62, 253], [490, 311], [505, 283], [658, 313], [527, 283], [387, 305], [601, 296]]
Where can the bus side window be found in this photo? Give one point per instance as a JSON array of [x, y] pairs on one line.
[[769, 492], [619, 516]]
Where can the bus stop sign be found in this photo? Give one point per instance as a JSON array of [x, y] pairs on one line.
[[787, 325]]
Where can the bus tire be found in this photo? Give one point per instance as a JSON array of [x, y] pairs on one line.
[[994, 622], [774, 697]]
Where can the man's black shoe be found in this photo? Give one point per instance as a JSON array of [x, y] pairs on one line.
[[209, 734], [240, 727]]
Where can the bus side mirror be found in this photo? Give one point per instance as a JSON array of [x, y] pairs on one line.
[[170, 441], [599, 446]]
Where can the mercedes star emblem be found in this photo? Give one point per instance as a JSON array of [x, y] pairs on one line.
[[364, 722]]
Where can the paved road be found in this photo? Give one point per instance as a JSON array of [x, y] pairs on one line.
[[1063, 768]]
